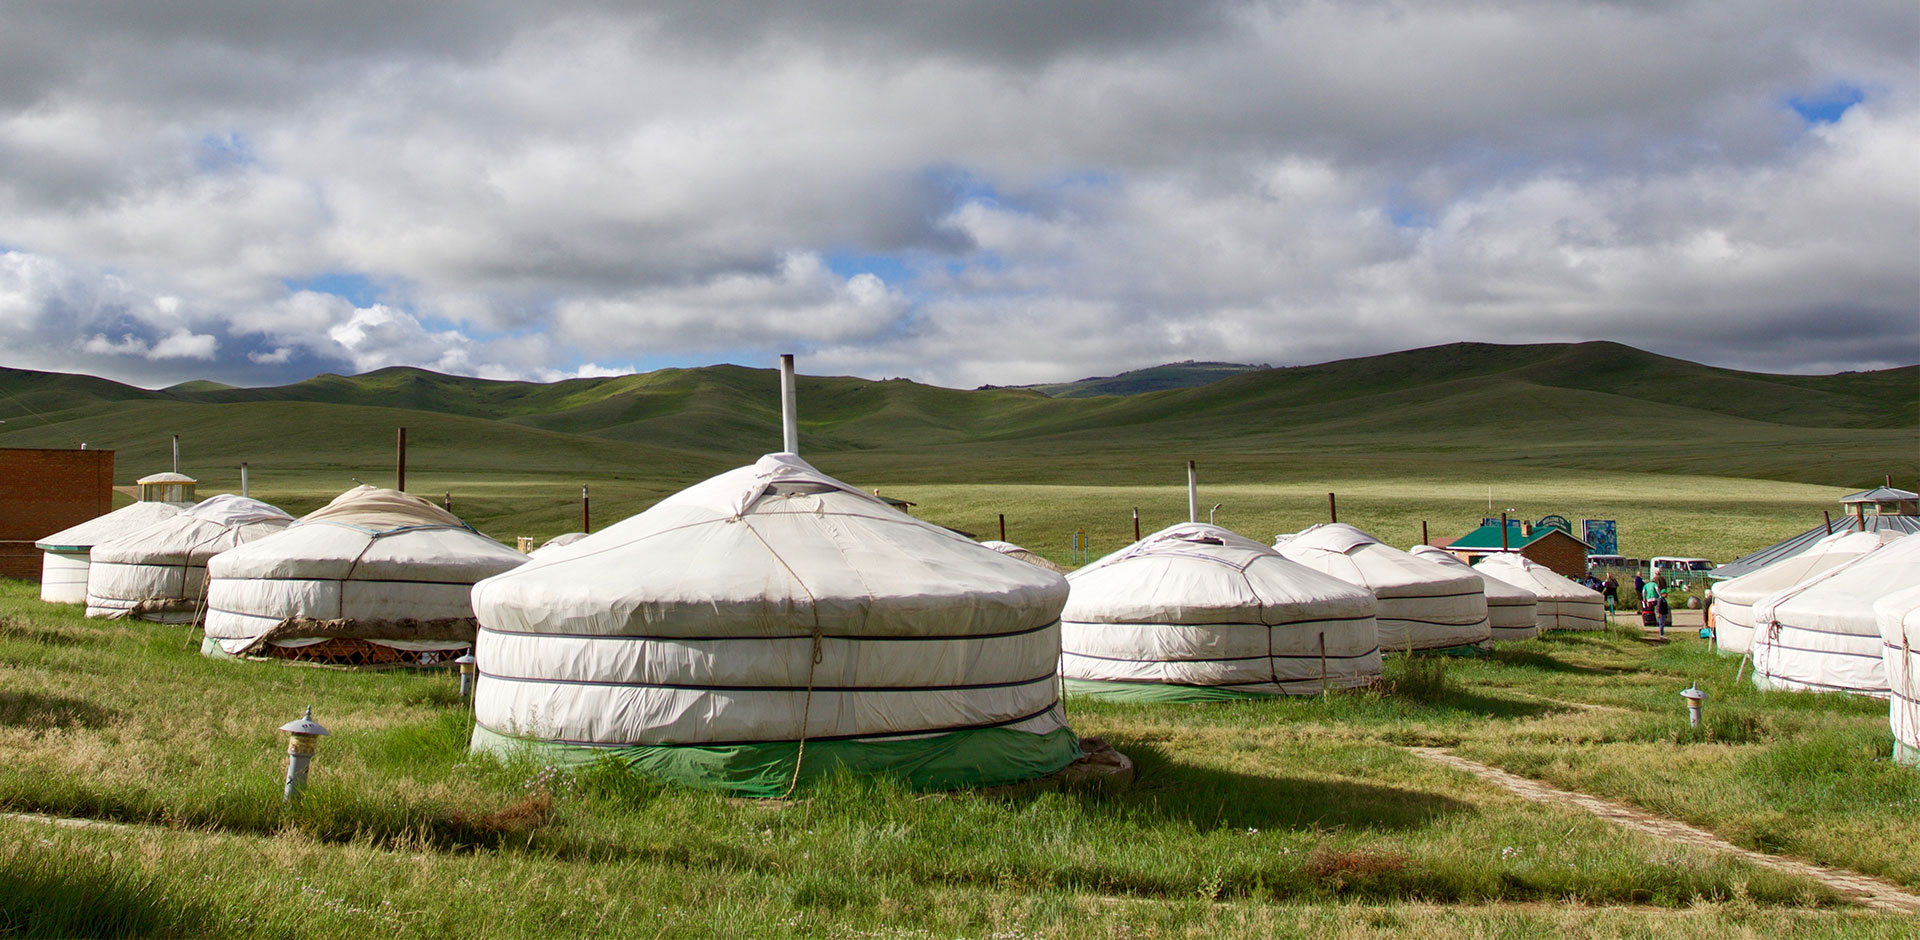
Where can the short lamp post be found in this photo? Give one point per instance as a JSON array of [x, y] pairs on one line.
[[303, 739], [1695, 698], [468, 668]]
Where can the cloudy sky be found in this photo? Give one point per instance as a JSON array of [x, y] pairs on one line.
[[1006, 191]]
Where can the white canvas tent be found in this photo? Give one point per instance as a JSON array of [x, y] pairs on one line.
[[377, 575], [1008, 548], [1821, 636], [159, 573], [1898, 617], [1562, 603], [767, 626], [1734, 598], [63, 568], [1513, 612], [1423, 605], [1195, 612]]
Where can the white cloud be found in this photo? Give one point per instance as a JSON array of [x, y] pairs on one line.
[[1048, 192]]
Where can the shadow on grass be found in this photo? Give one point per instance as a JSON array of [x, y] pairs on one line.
[[1206, 798], [12, 628], [1528, 659], [48, 712], [45, 893], [1492, 706]]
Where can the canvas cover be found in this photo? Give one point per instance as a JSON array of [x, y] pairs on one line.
[[63, 567], [768, 625], [1734, 598], [159, 573], [1898, 617], [1196, 612], [1821, 636], [1562, 603], [1423, 605], [375, 564], [1008, 548], [1513, 612]]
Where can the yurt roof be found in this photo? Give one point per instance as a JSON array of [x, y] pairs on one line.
[[1880, 494], [217, 524], [168, 477], [408, 534], [755, 549], [1195, 572], [1851, 588], [1544, 582], [562, 540], [1825, 553], [1026, 555], [1787, 548], [126, 519], [1496, 588], [1353, 555]]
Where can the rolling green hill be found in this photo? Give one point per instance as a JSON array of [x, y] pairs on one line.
[[1464, 408], [1187, 374]]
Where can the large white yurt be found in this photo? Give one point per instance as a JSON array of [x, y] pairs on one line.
[[63, 569], [771, 625], [1733, 599], [1423, 605], [1195, 612], [376, 577], [1821, 636], [1513, 612], [1026, 555], [159, 573], [562, 540], [1898, 617], [1562, 603]]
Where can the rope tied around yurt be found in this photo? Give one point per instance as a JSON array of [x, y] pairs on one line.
[[817, 656]]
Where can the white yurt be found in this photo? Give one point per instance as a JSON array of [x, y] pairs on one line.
[[1195, 612], [1561, 602], [562, 540], [1008, 548], [1733, 599], [1513, 612], [1821, 636], [772, 625], [1423, 605], [63, 569], [376, 577], [159, 573], [1898, 617]]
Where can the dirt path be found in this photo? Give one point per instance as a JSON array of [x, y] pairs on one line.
[[1867, 890]]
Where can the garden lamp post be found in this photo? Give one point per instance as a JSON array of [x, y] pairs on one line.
[[303, 739], [468, 667], [1695, 698]]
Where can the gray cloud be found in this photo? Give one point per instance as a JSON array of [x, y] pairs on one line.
[[1040, 191]]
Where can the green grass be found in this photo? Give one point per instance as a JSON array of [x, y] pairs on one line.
[[1247, 818]]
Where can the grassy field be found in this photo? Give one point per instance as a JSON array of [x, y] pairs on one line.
[[1255, 818]]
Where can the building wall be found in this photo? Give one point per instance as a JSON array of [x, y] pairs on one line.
[[1560, 552], [44, 491]]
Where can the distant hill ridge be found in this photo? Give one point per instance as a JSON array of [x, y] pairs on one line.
[[1592, 405], [1188, 374]]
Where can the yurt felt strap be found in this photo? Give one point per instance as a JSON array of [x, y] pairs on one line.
[[813, 661]]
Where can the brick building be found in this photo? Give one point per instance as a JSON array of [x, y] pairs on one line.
[[1546, 545], [42, 492]]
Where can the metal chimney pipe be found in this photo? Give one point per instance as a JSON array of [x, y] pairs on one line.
[[1503, 531], [1333, 511], [400, 462], [789, 416], [1193, 494], [243, 478], [176, 453], [586, 519]]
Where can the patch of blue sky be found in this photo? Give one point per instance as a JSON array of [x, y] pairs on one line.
[[220, 152], [1828, 104], [352, 286], [897, 268]]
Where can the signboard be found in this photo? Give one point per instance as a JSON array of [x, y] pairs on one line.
[[1601, 535], [1556, 522]]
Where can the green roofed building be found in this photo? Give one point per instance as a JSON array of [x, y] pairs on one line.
[[1551, 546]]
